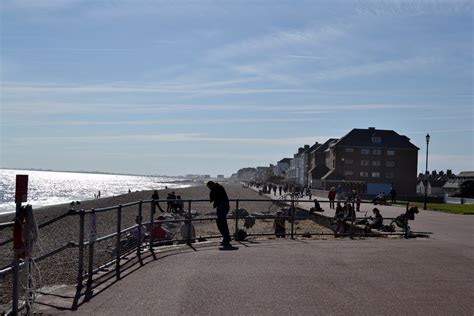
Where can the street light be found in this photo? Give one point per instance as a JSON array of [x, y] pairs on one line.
[[426, 169]]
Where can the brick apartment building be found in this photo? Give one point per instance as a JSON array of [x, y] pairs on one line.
[[367, 160]]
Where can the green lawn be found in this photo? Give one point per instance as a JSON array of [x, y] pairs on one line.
[[448, 208]]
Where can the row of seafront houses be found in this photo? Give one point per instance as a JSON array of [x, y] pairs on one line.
[[369, 161]]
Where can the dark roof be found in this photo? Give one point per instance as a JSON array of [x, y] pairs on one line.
[[434, 183], [363, 138], [313, 148], [466, 174], [285, 160], [319, 171], [325, 146]]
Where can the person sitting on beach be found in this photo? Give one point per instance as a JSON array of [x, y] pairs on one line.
[[339, 211], [188, 231], [160, 233], [317, 206], [139, 233], [349, 213], [380, 199], [377, 221], [279, 225], [339, 223]]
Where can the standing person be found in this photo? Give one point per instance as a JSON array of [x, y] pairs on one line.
[[155, 197], [279, 189], [179, 205], [393, 195], [332, 197], [357, 201], [339, 192], [219, 197]]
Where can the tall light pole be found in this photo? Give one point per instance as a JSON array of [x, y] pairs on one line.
[[426, 169]]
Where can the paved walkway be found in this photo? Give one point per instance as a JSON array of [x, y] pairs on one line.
[[453, 228], [432, 276], [341, 277]]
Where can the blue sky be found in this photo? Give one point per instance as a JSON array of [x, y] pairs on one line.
[[177, 87]]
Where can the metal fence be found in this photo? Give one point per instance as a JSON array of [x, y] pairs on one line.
[[104, 246]]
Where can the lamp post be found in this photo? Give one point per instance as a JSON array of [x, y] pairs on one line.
[[426, 169]]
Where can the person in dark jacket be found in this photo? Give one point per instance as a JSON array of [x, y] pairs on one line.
[[218, 196]]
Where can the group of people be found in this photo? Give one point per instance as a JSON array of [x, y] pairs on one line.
[[268, 188], [382, 199], [174, 203], [339, 195], [159, 231]]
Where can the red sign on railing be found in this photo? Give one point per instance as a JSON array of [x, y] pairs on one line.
[[21, 193]]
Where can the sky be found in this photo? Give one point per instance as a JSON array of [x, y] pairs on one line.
[[209, 87]]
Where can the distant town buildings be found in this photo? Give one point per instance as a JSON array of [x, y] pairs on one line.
[[367, 160], [453, 184]]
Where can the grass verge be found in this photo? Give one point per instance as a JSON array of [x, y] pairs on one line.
[[466, 209]]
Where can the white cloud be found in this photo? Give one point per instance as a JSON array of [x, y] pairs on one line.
[[413, 8], [375, 68], [210, 88], [165, 138], [270, 42]]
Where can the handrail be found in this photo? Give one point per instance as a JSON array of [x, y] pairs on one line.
[[84, 242]]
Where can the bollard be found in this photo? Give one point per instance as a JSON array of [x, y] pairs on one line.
[[118, 246], [236, 220]]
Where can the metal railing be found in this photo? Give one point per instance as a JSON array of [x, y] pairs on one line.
[[85, 274]]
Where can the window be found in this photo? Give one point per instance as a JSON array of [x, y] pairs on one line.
[[376, 163], [348, 161], [375, 174], [349, 150], [389, 175], [364, 151], [348, 172], [364, 174], [364, 162], [390, 152], [376, 139], [377, 152], [390, 163]]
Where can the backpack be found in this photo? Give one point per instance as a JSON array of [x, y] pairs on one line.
[[241, 235]]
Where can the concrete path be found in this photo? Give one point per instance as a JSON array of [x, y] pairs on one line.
[[341, 277], [432, 276]]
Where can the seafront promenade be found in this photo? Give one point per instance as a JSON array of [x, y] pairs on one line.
[[373, 276]]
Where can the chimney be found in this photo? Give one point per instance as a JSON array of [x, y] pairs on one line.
[[372, 129], [306, 147], [300, 150]]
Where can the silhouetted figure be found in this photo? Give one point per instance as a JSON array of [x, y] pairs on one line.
[[393, 195], [220, 200], [155, 196]]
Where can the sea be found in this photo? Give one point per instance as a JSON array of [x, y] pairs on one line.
[[53, 187]]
